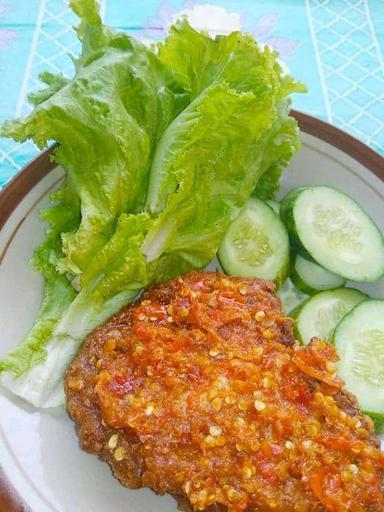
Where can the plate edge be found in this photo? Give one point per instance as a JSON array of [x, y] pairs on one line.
[[19, 186], [14, 192]]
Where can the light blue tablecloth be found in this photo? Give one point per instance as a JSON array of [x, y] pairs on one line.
[[335, 46]]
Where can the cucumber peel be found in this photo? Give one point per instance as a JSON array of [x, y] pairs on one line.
[[310, 278], [329, 227], [256, 244], [320, 314], [359, 341]]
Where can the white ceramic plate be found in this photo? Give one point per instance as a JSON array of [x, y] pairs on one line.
[[43, 469]]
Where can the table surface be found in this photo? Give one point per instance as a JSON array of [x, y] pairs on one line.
[[335, 46]]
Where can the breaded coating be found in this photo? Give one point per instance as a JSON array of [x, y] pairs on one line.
[[200, 390]]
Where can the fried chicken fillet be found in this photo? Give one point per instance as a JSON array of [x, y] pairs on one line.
[[200, 390]]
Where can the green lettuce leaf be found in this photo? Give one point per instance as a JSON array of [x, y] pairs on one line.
[[162, 148], [107, 120], [207, 177], [283, 143], [119, 272], [58, 293], [54, 83], [204, 168], [236, 129], [269, 183], [198, 61]]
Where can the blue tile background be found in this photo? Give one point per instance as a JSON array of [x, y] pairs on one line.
[[335, 46]]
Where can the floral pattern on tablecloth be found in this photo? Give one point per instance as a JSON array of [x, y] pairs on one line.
[[334, 46]]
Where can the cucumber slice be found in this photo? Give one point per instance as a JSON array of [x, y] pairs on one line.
[[274, 205], [310, 278], [329, 227], [320, 314], [256, 244], [290, 297], [359, 341]]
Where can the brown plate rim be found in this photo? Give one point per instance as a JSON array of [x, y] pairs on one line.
[[15, 191]]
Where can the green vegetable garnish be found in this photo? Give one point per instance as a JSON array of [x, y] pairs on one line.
[[162, 147]]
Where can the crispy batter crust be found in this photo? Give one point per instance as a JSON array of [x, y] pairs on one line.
[[200, 390]]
